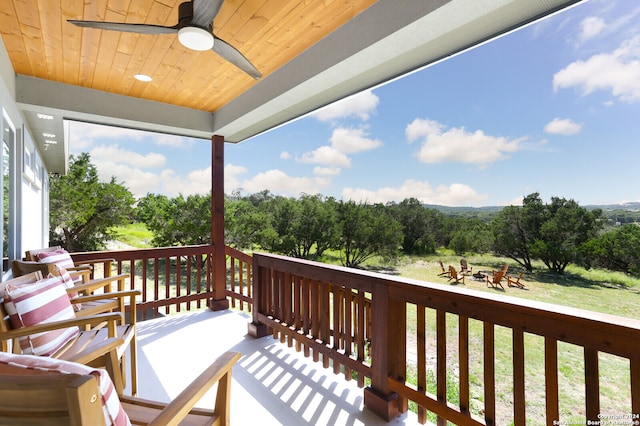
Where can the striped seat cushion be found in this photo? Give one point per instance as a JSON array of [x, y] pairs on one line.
[[37, 303], [112, 409]]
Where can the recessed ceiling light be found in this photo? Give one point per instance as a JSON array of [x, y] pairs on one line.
[[195, 38], [142, 77], [45, 116], [50, 142], [49, 135]]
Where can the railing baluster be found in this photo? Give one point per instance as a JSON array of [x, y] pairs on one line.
[[551, 379], [463, 360], [519, 408], [441, 363], [361, 332], [592, 384], [489, 374], [635, 387], [421, 349]]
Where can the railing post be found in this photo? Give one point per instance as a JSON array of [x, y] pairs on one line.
[[256, 328], [217, 225], [388, 353]]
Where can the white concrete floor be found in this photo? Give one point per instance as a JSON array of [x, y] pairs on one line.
[[272, 383]]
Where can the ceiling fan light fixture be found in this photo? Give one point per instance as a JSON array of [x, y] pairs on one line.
[[195, 38]]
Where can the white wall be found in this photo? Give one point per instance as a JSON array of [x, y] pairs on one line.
[[29, 224]]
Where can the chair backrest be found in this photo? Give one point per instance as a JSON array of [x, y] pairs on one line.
[[463, 264], [453, 272], [32, 277], [498, 276], [38, 397], [32, 255], [23, 267]]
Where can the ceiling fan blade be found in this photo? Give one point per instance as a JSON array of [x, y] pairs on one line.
[[204, 11], [234, 56], [124, 27]]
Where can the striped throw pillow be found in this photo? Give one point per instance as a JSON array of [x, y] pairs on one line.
[[67, 282], [61, 258], [37, 303], [112, 409]]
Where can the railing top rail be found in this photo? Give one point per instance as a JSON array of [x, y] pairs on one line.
[[146, 253], [608, 333], [237, 254]]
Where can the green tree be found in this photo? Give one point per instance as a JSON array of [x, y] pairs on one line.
[[302, 228], [367, 231], [565, 228], [177, 221], [83, 210], [618, 250], [417, 226], [470, 235], [244, 224]]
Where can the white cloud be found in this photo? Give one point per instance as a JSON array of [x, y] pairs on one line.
[[618, 71], [284, 155], [351, 141], [116, 154], [343, 141], [326, 171], [562, 126], [232, 177], [456, 194], [361, 105], [137, 181], [196, 182], [326, 155], [279, 182], [590, 27], [457, 145]]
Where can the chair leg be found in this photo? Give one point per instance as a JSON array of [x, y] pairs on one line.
[[113, 367]]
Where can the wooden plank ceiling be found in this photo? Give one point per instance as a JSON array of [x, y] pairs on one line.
[[269, 33]]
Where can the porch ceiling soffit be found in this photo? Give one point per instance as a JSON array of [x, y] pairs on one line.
[[380, 44]]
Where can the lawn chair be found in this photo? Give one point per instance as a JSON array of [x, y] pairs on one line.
[[61, 257], [89, 306], [495, 279], [62, 393], [454, 275], [464, 267], [513, 281], [53, 329], [444, 273]]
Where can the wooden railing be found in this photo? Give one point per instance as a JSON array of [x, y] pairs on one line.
[[399, 333], [172, 279]]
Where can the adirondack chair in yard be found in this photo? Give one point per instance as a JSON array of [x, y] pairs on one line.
[[495, 279], [445, 272], [38, 318], [514, 281], [455, 275], [464, 267], [39, 390]]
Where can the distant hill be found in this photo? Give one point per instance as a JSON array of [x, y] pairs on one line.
[[633, 207], [618, 213]]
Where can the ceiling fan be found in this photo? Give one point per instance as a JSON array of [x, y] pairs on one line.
[[194, 29]]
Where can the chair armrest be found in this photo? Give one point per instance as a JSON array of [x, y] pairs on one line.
[[112, 317], [102, 296], [101, 282], [220, 370]]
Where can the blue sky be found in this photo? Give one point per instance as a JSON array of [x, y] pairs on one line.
[[552, 108]]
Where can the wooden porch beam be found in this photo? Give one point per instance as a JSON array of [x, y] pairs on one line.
[[217, 225]]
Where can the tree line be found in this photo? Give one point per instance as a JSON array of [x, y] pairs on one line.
[[84, 212]]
